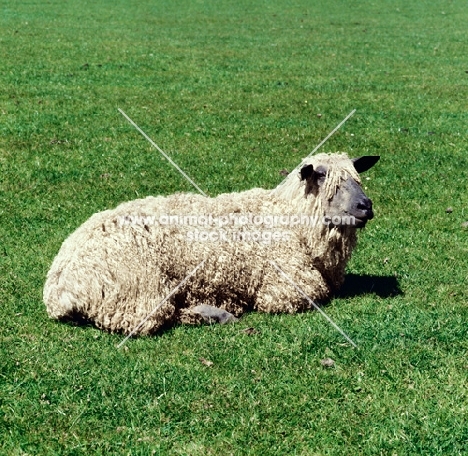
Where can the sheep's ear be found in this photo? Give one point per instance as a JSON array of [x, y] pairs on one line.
[[306, 172], [365, 162]]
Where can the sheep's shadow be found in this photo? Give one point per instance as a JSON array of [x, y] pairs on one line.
[[357, 285]]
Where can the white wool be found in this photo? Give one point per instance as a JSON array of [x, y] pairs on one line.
[[115, 275]]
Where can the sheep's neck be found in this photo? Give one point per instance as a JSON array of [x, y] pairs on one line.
[[329, 250]]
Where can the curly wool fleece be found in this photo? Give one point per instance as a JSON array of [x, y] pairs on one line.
[[114, 274]]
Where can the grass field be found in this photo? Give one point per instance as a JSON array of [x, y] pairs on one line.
[[232, 91]]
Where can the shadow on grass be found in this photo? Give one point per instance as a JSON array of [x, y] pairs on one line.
[[382, 286]]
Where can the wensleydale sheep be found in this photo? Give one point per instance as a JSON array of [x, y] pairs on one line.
[[121, 263]]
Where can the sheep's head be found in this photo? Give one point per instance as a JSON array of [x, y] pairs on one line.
[[334, 181]]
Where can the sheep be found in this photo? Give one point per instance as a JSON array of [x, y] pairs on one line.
[[121, 264]]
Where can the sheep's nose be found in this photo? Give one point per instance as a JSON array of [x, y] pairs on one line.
[[366, 205]]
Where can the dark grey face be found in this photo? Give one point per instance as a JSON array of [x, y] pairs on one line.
[[350, 205], [350, 200]]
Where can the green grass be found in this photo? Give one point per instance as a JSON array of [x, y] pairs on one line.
[[231, 90]]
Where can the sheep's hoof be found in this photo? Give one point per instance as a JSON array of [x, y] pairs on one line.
[[211, 314]]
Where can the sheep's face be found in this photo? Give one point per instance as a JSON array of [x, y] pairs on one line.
[[342, 197]]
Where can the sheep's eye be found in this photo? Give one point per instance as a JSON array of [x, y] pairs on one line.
[[321, 175]]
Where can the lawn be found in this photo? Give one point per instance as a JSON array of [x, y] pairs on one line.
[[235, 92]]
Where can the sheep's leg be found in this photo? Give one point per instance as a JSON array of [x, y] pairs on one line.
[[278, 295], [205, 313], [146, 317]]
